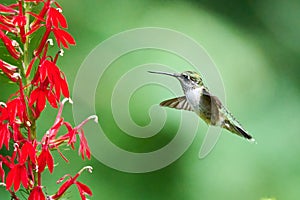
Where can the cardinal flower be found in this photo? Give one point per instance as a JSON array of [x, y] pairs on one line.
[[16, 176], [10, 45], [37, 194], [82, 188]]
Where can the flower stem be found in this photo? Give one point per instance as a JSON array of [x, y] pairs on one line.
[[26, 57], [26, 62]]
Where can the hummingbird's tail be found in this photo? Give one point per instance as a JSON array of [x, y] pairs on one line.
[[237, 129]]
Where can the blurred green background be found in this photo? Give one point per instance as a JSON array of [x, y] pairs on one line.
[[256, 47]]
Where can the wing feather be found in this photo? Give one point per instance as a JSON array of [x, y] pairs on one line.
[[180, 103]]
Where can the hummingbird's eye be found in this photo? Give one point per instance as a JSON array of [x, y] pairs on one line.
[[186, 76]]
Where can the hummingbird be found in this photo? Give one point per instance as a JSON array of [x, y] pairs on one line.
[[198, 99]]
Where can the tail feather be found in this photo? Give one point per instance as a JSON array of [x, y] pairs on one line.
[[243, 133], [238, 130]]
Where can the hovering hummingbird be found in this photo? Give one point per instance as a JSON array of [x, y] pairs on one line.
[[198, 99]]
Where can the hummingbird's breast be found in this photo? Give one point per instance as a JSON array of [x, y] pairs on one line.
[[193, 97], [205, 106]]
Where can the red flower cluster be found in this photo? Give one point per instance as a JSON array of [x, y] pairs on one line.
[[39, 80]]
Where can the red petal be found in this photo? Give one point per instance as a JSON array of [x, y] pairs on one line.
[[24, 176], [65, 88], [10, 177], [44, 70], [30, 66], [56, 18], [17, 180], [33, 96], [42, 161], [62, 20], [41, 101], [52, 99], [57, 87], [84, 188], [27, 150], [9, 46], [52, 70], [84, 147], [57, 36], [7, 9], [50, 161], [63, 37], [69, 38], [37, 194], [64, 187], [4, 135]]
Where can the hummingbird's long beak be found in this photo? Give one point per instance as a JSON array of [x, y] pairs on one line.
[[165, 73]]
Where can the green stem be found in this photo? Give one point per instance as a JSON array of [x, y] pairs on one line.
[[26, 62]]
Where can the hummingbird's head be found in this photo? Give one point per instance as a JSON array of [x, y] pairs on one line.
[[188, 79]]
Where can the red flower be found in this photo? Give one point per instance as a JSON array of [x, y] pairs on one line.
[[17, 175], [51, 83], [41, 15], [9, 45], [37, 194], [84, 149], [6, 9], [55, 77], [30, 66], [39, 96], [6, 24], [46, 82], [9, 70], [20, 21], [4, 128], [4, 135], [55, 18], [45, 158], [70, 136], [82, 188], [16, 110], [18, 172], [27, 151], [63, 37]]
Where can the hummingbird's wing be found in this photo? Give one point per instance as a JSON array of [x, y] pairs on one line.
[[214, 107], [179, 103], [210, 107]]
